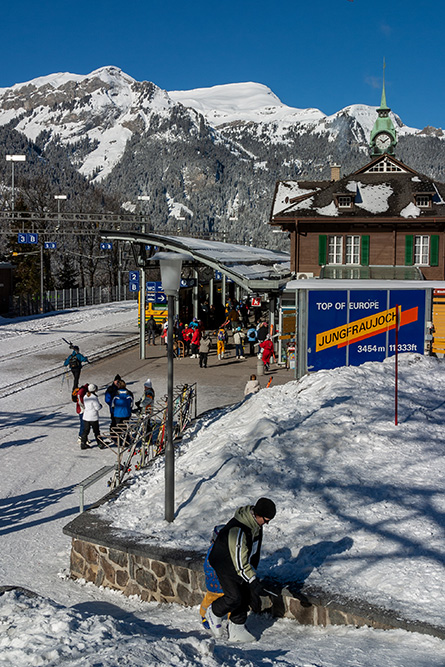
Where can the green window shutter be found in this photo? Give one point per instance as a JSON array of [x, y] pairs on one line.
[[364, 260], [409, 250], [434, 250], [322, 249]]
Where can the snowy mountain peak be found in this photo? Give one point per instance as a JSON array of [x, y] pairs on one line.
[[241, 102]]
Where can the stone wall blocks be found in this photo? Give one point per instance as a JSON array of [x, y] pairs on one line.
[[166, 589], [158, 568], [190, 598], [183, 575], [122, 578], [146, 579], [108, 570], [118, 557]]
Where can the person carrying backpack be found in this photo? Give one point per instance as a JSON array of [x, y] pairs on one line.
[[74, 362], [252, 339]]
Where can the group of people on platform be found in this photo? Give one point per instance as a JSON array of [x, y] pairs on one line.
[[118, 397], [192, 340]]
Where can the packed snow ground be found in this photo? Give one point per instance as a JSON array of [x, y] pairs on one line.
[[360, 501], [366, 518]]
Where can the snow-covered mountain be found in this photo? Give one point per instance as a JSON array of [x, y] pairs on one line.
[[210, 155]]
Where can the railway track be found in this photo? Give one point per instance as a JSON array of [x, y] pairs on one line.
[[57, 371]]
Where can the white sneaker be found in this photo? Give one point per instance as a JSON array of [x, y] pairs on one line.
[[238, 633], [215, 623]]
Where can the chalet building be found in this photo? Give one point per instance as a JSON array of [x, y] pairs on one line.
[[383, 221]]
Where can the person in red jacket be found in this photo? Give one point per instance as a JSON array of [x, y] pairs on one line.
[[78, 396], [267, 348], [196, 340]]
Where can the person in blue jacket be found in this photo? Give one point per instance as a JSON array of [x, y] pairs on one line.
[[122, 404], [110, 394], [74, 361], [252, 339]]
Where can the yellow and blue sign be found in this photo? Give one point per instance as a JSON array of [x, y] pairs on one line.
[[347, 328]]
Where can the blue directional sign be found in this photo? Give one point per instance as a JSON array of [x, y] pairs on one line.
[[50, 245], [21, 238], [218, 275], [133, 287], [106, 246], [161, 297], [151, 286]]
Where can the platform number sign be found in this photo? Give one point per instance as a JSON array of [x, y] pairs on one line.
[[133, 281], [28, 238]]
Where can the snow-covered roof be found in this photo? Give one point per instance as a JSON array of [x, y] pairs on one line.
[[251, 268], [384, 187]]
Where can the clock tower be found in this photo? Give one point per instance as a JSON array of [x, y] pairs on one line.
[[383, 136]]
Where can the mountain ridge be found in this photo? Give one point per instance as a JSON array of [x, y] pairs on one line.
[[208, 155]]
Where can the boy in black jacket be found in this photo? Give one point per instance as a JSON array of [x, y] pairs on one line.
[[235, 557]]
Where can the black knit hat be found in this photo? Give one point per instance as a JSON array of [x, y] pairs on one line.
[[266, 508], [118, 377]]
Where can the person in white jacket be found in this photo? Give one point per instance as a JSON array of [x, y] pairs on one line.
[[91, 417], [252, 386]]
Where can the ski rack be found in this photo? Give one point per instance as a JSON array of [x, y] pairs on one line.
[[142, 439]]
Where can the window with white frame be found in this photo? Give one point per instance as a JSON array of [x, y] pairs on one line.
[[384, 166], [422, 250], [423, 201], [335, 249], [344, 201], [352, 250]]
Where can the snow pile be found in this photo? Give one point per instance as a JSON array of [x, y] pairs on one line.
[[359, 499]]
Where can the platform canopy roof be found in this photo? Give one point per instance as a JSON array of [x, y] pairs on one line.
[[254, 269]]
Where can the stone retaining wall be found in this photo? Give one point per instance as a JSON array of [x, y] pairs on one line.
[[130, 564], [132, 574]]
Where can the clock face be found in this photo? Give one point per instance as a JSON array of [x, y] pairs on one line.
[[383, 141]]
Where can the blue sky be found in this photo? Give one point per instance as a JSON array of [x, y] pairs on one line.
[[317, 53]]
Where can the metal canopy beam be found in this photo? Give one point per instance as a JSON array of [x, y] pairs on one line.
[[175, 244]]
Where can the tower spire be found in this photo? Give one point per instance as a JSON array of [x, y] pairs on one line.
[[383, 104], [383, 135]]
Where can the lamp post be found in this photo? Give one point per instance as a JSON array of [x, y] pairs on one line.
[[59, 198], [12, 159], [171, 265], [142, 294]]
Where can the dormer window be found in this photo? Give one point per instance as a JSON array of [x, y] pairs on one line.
[[344, 201], [423, 201]]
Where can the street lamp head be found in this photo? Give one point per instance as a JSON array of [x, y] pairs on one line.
[[60, 197], [143, 197], [171, 265], [15, 158]]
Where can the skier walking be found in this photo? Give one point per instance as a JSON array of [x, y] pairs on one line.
[[74, 361], [234, 557]]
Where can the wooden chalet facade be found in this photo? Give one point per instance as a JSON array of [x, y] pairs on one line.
[[385, 215]]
